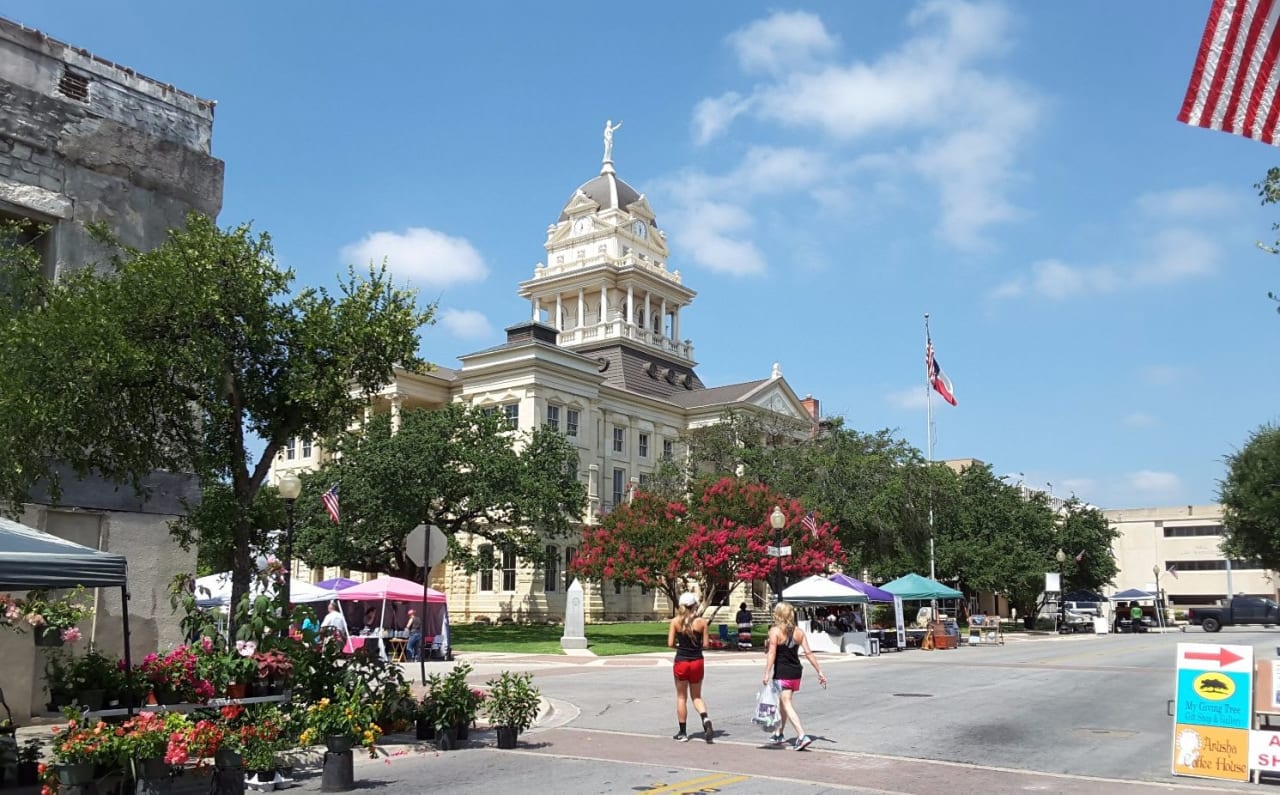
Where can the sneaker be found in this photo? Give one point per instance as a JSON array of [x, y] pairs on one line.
[[777, 739], [680, 737], [803, 742], [707, 730]]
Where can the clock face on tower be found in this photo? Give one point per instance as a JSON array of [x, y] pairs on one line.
[[640, 229], [582, 225]]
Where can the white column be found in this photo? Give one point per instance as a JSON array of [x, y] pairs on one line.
[[559, 322], [604, 302], [537, 309], [648, 312], [581, 302], [395, 413], [662, 327], [675, 324], [631, 306]]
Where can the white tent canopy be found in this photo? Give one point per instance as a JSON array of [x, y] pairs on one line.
[[818, 590], [214, 591]]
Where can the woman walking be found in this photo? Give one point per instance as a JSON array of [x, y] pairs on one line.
[[783, 661], [687, 634]]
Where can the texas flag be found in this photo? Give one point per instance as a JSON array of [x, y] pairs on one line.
[[941, 384]]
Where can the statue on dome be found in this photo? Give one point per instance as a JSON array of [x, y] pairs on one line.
[[609, 128]]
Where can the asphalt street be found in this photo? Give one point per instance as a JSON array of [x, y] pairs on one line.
[[1070, 714]]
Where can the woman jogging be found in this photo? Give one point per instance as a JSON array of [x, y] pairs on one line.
[[783, 660], [687, 634]]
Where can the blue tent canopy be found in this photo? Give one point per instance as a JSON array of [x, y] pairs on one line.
[[1132, 594], [913, 586]]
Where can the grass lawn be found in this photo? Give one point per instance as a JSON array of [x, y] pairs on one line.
[[605, 640]]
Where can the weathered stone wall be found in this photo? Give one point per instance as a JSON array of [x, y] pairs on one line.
[[85, 140]]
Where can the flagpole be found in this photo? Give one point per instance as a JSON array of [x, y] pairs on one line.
[[928, 402]]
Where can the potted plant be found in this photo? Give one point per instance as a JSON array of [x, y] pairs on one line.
[[274, 668], [458, 701], [341, 722], [512, 705], [259, 742], [59, 679], [173, 677], [144, 742], [54, 619], [94, 676], [78, 749], [29, 762], [424, 714]]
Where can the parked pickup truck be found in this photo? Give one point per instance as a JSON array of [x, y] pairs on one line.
[[1237, 610]]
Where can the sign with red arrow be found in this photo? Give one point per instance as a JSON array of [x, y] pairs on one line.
[[1223, 656]]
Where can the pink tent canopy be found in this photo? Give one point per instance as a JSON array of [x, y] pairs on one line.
[[391, 588]]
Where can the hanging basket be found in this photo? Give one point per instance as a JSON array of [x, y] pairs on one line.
[[48, 637]]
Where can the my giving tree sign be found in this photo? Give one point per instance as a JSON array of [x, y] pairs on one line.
[[1214, 711]]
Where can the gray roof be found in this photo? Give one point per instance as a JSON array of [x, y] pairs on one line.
[[730, 393], [644, 372], [607, 191]]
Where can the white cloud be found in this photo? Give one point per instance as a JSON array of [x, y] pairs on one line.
[[910, 398], [1179, 254], [1195, 203], [1057, 280], [422, 256], [707, 232], [1153, 483], [712, 116], [782, 41], [465, 323], [1139, 419]]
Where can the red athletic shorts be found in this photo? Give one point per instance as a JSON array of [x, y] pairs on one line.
[[689, 670]]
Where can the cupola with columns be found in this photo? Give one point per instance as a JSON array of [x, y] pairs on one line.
[[606, 276]]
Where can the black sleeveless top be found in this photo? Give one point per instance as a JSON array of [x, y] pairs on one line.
[[786, 660], [688, 647]]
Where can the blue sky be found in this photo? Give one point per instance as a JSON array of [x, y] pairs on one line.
[[826, 173]]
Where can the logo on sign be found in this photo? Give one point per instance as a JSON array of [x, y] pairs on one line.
[[1213, 686]]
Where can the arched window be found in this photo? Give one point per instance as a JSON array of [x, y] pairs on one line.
[[552, 575]]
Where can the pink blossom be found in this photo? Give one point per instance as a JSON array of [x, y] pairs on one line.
[[35, 619], [246, 648], [71, 634], [206, 643]]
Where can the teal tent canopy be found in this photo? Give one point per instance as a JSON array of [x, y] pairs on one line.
[[913, 586]]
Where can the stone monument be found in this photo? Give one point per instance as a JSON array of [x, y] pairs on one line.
[[574, 619]]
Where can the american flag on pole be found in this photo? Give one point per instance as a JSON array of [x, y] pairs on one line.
[[1173, 570], [941, 384], [1080, 556], [1233, 83], [810, 523], [330, 500]]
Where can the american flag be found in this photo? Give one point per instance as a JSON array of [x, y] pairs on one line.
[[941, 384], [1173, 570], [1233, 83], [809, 523], [330, 500]]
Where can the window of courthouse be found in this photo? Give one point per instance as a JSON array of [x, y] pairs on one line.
[[486, 567], [552, 572], [508, 569]]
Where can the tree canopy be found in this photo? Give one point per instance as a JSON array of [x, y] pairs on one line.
[[457, 467], [174, 358], [1250, 497]]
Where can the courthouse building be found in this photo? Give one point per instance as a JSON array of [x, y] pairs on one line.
[[602, 357]]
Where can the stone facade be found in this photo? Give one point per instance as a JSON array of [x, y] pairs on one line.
[[84, 140]]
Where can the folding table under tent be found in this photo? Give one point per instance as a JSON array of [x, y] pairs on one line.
[[397, 589], [32, 559]]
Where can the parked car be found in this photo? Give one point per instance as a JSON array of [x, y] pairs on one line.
[[1236, 610]]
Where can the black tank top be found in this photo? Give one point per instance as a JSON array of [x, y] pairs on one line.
[[688, 647], [786, 660]]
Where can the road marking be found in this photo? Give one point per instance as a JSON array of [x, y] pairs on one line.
[[710, 783]]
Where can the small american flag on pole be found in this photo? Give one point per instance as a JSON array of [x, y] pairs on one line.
[[1080, 556], [330, 500], [809, 523], [1173, 570]]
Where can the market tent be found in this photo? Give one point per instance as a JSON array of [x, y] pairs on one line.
[[914, 587], [818, 590], [31, 558], [396, 589], [872, 593], [1133, 595], [336, 583], [214, 590]]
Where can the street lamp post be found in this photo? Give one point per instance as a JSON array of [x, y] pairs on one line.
[[1155, 572], [777, 519], [1061, 557], [289, 487]]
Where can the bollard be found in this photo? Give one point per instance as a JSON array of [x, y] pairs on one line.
[[338, 774]]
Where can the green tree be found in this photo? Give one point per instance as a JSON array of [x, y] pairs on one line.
[[1085, 536], [1250, 497], [1269, 190], [174, 358], [457, 467]]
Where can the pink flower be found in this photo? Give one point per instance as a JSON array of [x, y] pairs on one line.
[[206, 643], [246, 648], [71, 634], [13, 612], [35, 619]]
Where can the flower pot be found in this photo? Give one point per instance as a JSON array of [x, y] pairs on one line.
[[151, 769], [235, 690], [447, 738], [258, 690], [507, 736], [75, 775], [91, 699], [338, 743], [227, 759], [426, 730], [48, 637], [463, 731], [151, 698], [28, 774], [263, 776]]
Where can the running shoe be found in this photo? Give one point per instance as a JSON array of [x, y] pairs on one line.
[[803, 742], [777, 739], [680, 737], [707, 730]]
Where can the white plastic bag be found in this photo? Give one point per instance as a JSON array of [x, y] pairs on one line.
[[767, 715]]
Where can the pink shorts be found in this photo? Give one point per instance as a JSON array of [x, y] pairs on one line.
[[789, 684], [689, 670]]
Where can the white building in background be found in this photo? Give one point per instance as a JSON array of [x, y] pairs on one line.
[[1184, 539], [601, 357]]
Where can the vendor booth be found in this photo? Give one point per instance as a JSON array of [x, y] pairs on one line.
[[877, 638], [814, 596], [914, 588], [1123, 603], [213, 591], [394, 597]]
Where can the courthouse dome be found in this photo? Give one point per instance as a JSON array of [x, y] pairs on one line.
[[605, 190]]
